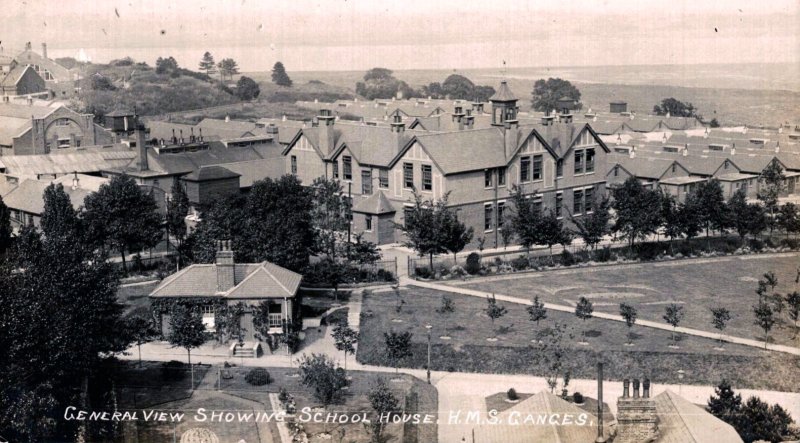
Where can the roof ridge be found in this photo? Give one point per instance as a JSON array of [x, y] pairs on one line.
[[273, 277], [171, 279]]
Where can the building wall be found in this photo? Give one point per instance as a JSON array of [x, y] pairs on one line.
[[417, 157], [29, 83], [309, 164], [62, 127]]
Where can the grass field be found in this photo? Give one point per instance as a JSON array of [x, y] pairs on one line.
[[697, 285], [468, 349]]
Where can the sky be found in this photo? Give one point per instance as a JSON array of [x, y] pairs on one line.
[[412, 34]]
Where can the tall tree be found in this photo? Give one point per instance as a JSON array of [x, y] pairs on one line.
[[546, 94], [673, 314], [331, 212], [279, 75], [584, 310], [789, 218], [765, 319], [743, 217], [247, 89], [593, 227], [672, 218], [177, 210], [456, 235], [552, 231], [675, 108], [628, 313], [345, 339], [59, 219], [5, 227], [398, 346], [207, 64], [771, 184], [525, 218], [536, 312], [319, 373], [638, 210], [721, 317], [228, 68], [725, 404], [123, 217], [708, 204], [187, 331], [426, 226]]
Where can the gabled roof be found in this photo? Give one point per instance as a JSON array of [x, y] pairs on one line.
[[16, 74], [503, 94], [684, 422], [375, 204], [466, 150], [252, 281], [643, 167], [208, 173], [29, 196]]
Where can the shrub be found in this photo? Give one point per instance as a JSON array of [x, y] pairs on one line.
[[577, 398], [458, 271], [512, 394], [756, 244], [791, 243], [603, 255], [422, 272], [520, 263], [567, 259], [283, 395], [498, 261], [473, 263], [258, 377], [172, 370]]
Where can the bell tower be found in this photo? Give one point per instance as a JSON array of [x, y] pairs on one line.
[[504, 106]]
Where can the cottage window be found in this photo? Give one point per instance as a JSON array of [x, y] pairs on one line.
[[579, 162], [347, 166], [294, 164], [208, 317], [537, 167], [501, 176], [366, 182], [383, 178], [368, 223], [427, 178], [577, 201], [408, 175], [525, 169]]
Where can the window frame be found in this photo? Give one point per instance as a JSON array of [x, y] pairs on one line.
[[293, 161], [383, 178], [525, 169], [589, 156], [427, 178], [488, 217], [488, 181], [366, 182], [577, 201], [408, 176], [537, 159], [578, 159], [368, 222], [560, 168], [347, 168], [501, 175], [559, 205]]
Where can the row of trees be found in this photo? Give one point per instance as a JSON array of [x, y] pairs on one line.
[[380, 83], [226, 68]]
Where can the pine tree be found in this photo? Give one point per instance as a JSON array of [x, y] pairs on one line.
[[207, 64], [725, 404], [279, 76]]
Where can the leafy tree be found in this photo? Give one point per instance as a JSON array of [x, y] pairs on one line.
[[671, 216], [426, 226], [765, 319], [362, 251], [383, 402], [553, 351], [166, 65], [123, 217], [380, 83], [247, 89], [536, 312], [593, 227], [638, 210], [675, 108], [222, 219], [721, 316], [5, 227], [228, 68], [494, 310], [457, 235], [458, 87], [331, 212], [344, 339], [525, 218], [207, 64], [584, 310], [139, 331], [279, 75], [725, 404], [628, 313], [398, 346], [332, 272], [187, 331], [445, 309], [789, 218], [100, 82], [59, 220], [177, 210], [759, 421], [793, 303], [546, 94], [673, 314], [745, 218], [708, 204], [319, 373], [771, 183], [553, 232]]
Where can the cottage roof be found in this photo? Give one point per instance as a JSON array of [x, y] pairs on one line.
[[375, 204], [15, 75], [252, 280], [29, 196], [681, 421]]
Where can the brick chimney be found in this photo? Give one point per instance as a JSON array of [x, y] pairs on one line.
[[141, 145], [44, 50], [511, 136], [225, 267], [325, 120], [636, 415], [398, 129]]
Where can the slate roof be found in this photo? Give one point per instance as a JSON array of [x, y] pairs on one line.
[[207, 173], [252, 280], [503, 94], [642, 167], [375, 204], [253, 170], [29, 196], [213, 126], [13, 77], [66, 163], [466, 150], [681, 421]]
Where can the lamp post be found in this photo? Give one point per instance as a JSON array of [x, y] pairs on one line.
[[428, 327], [680, 380]]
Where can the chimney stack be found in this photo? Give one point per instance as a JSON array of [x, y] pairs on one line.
[[225, 266], [637, 421], [75, 181], [325, 120], [141, 144], [44, 50]]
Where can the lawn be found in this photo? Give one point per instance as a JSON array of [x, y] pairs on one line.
[[696, 284], [468, 349], [146, 386], [135, 297]]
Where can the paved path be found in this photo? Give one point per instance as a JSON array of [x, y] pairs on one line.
[[571, 309]]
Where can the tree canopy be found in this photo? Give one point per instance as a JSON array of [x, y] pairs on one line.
[[228, 68], [457, 87], [247, 89], [380, 83], [207, 64], [279, 75], [546, 94], [675, 108], [638, 210]]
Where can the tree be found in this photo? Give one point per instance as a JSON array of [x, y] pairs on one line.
[[5, 227], [445, 309], [362, 251], [789, 218], [525, 218], [398, 346], [546, 94], [140, 330], [771, 184], [279, 76], [638, 210], [628, 313], [177, 210], [553, 352], [584, 310], [331, 212], [494, 310], [384, 403], [458, 87], [457, 235], [671, 216], [593, 227], [380, 83], [708, 204], [332, 272], [59, 220], [536, 312], [765, 319], [426, 226], [345, 339], [759, 421], [187, 331], [166, 65], [793, 301], [247, 89], [745, 218], [228, 68], [675, 108], [123, 217], [673, 314], [720, 319], [553, 232], [725, 404], [714, 123], [319, 373], [207, 64]]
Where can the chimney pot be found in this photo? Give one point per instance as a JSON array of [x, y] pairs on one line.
[[646, 388], [635, 388], [625, 388]]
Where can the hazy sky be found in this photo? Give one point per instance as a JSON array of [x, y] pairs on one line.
[[354, 34]]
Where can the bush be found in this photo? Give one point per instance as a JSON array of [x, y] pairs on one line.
[[791, 243], [283, 395], [520, 263], [172, 370], [567, 259], [473, 263], [258, 377], [603, 255], [577, 398], [422, 272], [756, 244], [512, 394]]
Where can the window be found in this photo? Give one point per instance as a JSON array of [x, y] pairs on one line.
[[500, 208], [366, 181], [367, 222], [559, 203], [537, 167], [407, 214], [579, 162], [616, 171], [525, 169], [208, 317], [725, 165], [383, 178], [577, 201], [487, 178], [673, 168], [560, 168], [294, 164], [488, 215], [63, 143], [537, 203], [62, 122], [427, 178], [347, 167], [588, 196], [335, 167], [501, 176], [589, 160], [408, 175]]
